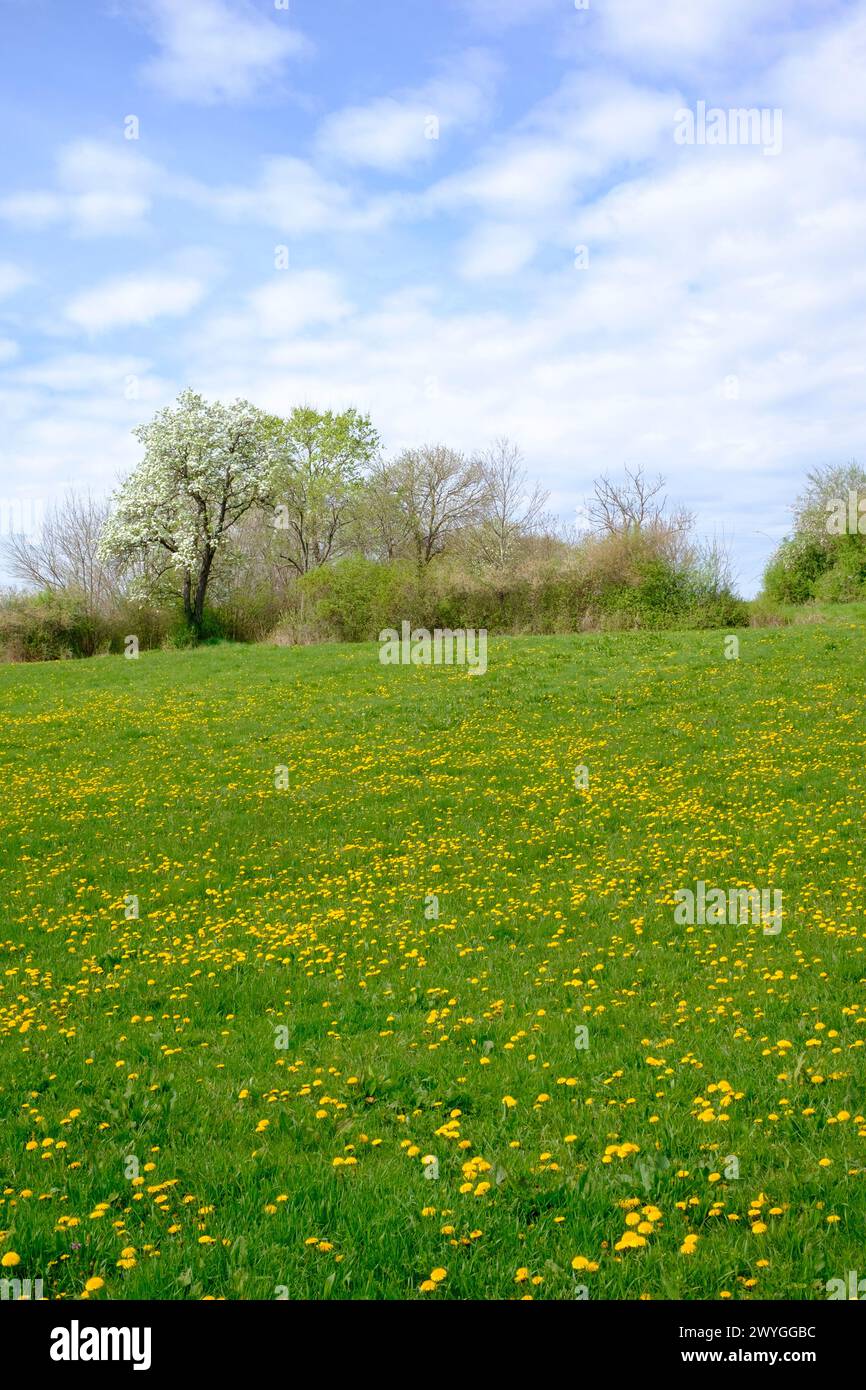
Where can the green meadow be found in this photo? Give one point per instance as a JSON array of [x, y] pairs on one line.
[[328, 979]]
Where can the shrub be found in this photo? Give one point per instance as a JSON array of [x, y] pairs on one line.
[[722, 610], [182, 634], [354, 597], [618, 582], [846, 579], [150, 625], [795, 569], [50, 627], [249, 614]]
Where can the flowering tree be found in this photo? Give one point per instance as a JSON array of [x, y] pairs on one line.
[[204, 467]]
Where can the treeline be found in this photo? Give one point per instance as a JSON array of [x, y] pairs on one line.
[[243, 525]]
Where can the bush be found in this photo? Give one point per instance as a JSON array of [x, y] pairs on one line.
[[619, 582], [182, 635], [723, 610], [50, 627], [795, 569], [354, 597], [150, 625], [248, 614], [846, 579]]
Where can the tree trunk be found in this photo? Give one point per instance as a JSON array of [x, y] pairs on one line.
[[200, 591], [187, 598]]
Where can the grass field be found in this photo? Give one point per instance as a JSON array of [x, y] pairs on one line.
[[238, 1093]]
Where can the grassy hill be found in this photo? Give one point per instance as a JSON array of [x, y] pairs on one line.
[[239, 1091]]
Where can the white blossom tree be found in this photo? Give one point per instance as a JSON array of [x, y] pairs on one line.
[[204, 467]]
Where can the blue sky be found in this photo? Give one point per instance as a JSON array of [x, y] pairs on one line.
[[431, 167]]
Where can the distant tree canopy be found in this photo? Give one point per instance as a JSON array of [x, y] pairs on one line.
[[318, 478], [245, 523]]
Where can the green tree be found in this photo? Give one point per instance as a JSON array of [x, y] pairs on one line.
[[825, 558], [316, 471]]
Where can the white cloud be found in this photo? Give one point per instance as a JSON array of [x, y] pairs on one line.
[[218, 50], [587, 128], [711, 42], [83, 442], [388, 134], [820, 87], [502, 14], [525, 173], [31, 210], [705, 265], [294, 301], [134, 300], [105, 189], [80, 372], [87, 165], [101, 190], [12, 278], [290, 195], [393, 133], [293, 198], [496, 249], [672, 31]]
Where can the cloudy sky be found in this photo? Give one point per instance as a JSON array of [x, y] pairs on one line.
[[469, 217]]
